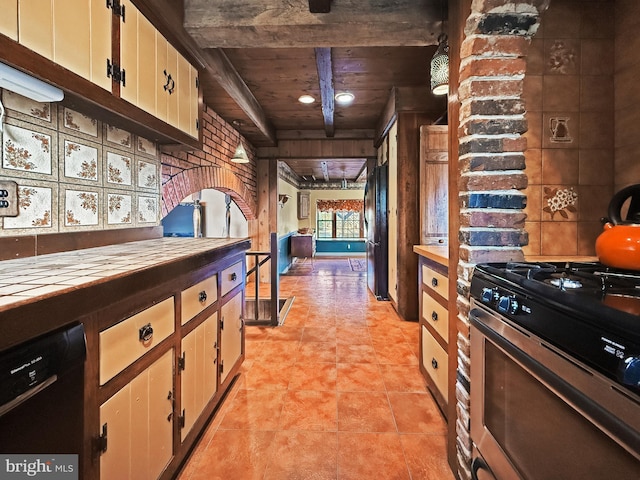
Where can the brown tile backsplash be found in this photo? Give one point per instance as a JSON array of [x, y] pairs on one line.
[[561, 92], [596, 167], [597, 56], [571, 160], [596, 129], [559, 238], [560, 166], [594, 201]]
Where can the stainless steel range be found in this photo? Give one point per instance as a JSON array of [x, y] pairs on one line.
[[555, 371]]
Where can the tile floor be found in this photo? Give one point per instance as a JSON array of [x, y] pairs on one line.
[[334, 393]]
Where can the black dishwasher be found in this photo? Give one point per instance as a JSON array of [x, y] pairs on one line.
[[41, 394]]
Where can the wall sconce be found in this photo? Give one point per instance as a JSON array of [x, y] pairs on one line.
[[440, 67], [28, 86], [282, 199]]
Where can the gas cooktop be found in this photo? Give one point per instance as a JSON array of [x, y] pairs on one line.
[[586, 309]]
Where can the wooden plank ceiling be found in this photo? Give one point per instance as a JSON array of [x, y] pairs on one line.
[[261, 55]]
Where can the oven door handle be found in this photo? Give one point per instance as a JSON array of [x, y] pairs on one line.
[[10, 405], [479, 464]]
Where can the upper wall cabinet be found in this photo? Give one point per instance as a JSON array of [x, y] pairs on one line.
[[75, 34], [128, 58], [9, 18], [157, 78]]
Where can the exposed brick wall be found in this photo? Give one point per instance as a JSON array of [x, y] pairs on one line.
[[184, 173], [491, 163]]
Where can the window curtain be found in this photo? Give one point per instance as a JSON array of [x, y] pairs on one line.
[[340, 205]]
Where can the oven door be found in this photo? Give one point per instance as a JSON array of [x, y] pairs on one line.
[[536, 414]]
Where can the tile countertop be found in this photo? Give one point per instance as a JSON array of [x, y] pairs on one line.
[[437, 253], [34, 278], [440, 254]]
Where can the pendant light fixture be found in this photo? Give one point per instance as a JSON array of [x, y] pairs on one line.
[[440, 67]]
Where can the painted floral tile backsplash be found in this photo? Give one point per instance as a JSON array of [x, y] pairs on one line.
[[119, 169], [147, 175], [80, 208], [80, 123], [148, 209], [74, 172], [119, 209], [26, 150], [25, 107], [36, 209], [81, 161]]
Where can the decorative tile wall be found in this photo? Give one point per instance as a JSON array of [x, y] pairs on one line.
[[73, 172], [570, 113]]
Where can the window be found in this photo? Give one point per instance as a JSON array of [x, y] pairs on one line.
[[325, 224], [347, 225], [340, 225]]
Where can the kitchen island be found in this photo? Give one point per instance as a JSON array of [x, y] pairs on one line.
[[163, 321]]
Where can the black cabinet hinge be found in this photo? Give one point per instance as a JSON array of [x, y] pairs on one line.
[[197, 83], [181, 419], [221, 366], [114, 71], [197, 124], [102, 440], [182, 361], [116, 7]]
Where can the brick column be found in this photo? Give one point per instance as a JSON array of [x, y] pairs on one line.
[[491, 162]]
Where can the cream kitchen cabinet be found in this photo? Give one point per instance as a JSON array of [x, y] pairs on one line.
[[75, 34], [125, 342], [434, 321], [198, 297], [137, 425], [9, 18], [231, 335], [157, 78], [199, 365]]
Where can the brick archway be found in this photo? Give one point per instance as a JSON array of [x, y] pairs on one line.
[[491, 161], [194, 180]]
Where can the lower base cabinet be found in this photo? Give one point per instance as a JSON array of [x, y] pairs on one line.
[[199, 361], [231, 335], [137, 425]]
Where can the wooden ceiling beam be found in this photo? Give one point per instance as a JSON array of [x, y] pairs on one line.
[[325, 78], [325, 171], [280, 23], [319, 6], [222, 71]]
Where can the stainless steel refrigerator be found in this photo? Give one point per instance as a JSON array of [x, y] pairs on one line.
[[376, 226]]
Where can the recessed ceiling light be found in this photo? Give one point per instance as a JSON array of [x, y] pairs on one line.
[[344, 98], [306, 99]]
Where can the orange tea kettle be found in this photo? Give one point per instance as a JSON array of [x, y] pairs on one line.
[[619, 245]]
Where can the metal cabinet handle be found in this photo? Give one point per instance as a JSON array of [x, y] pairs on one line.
[[434, 363], [434, 282], [145, 333], [202, 296], [234, 276], [434, 316]]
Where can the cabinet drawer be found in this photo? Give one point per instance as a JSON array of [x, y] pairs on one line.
[[121, 345], [198, 297], [434, 359], [231, 277], [435, 315], [435, 281]]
